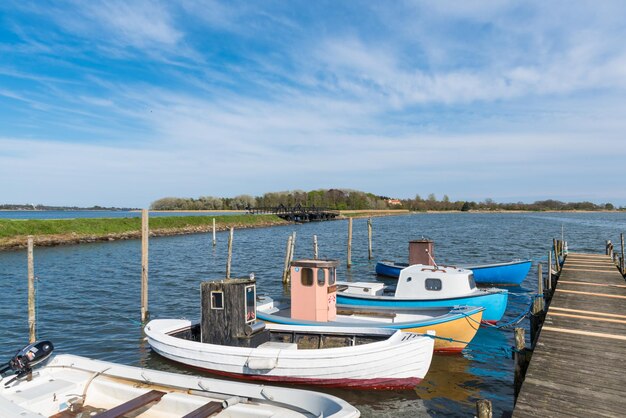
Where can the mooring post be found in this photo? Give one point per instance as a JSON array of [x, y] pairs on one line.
[[214, 238], [519, 356], [369, 237], [556, 255], [145, 232], [484, 409], [540, 281], [230, 251], [349, 242], [293, 249], [315, 250], [287, 257], [32, 324], [622, 260], [549, 282], [536, 318]]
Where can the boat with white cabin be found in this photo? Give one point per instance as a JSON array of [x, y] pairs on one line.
[[68, 386], [421, 285]]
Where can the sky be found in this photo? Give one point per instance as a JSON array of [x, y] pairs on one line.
[[120, 103]]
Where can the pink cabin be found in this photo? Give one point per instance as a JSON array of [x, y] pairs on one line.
[[313, 290]]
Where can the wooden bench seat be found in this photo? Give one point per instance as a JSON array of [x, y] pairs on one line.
[[205, 410], [132, 405]]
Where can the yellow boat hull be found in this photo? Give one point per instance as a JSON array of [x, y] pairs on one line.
[[452, 336]]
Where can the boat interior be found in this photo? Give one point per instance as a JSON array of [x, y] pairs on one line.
[[297, 340], [365, 315]]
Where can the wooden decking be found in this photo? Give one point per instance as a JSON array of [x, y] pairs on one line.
[[578, 368]]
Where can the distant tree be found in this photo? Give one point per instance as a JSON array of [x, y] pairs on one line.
[[243, 201], [466, 207]]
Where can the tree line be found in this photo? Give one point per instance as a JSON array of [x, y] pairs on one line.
[[345, 199]]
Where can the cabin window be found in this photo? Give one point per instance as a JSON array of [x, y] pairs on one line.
[[433, 284], [217, 300], [331, 276], [321, 277], [472, 283], [306, 277]]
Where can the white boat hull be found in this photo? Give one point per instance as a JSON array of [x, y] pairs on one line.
[[105, 385], [400, 361]]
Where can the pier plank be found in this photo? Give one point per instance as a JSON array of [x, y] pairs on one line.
[[577, 364]]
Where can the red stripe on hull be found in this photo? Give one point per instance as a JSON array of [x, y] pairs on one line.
[[371, 384], [488, 322]]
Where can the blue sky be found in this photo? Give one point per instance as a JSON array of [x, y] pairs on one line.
[[124, 102]]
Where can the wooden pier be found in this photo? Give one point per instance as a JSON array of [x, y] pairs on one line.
[[578, 365], [298, 213]]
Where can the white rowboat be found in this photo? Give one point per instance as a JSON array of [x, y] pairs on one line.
[[73, 386], [361, 357]]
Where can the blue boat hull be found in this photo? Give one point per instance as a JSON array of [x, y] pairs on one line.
[[494, 302], [503, 274], [512, 274]]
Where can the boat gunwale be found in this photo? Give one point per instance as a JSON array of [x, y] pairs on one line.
[[468, 311], [397, 338]]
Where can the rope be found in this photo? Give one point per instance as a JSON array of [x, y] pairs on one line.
[[512, 322]]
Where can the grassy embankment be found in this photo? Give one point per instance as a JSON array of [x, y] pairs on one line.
[[14, 233]]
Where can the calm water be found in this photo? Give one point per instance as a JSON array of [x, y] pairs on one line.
[[70, 214], [88, 295]]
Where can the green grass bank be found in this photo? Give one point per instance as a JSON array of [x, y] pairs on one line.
[[14, 233]]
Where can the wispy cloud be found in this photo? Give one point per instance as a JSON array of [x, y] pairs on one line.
[[396, 99]]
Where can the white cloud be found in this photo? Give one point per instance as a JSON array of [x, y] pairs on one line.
[[416, 105]]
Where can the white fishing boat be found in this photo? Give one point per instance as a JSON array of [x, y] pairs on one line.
[[67, 386], [426, 286], [229, 340], [327, 356]]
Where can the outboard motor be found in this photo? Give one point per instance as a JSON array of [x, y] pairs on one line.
[[22, 363]]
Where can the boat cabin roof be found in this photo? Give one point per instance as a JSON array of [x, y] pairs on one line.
[[420, 281]]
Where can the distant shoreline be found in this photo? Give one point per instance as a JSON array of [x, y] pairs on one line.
[[53, 232]]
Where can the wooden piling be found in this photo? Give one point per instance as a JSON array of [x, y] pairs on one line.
[[214, 238], [315, 250], [556, 255], [369, 237], [540, 281], [519, 356], [549, 281], [287, 258], [536, 319], [32, 324], [349, 243], [622, 260], [230, 251], [609, 247], [293, 249], [484, 409], [145, 232]]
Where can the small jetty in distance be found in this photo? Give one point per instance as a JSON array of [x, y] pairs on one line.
[[298, 213]]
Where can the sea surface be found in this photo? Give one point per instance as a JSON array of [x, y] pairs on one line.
[[88, 295]]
